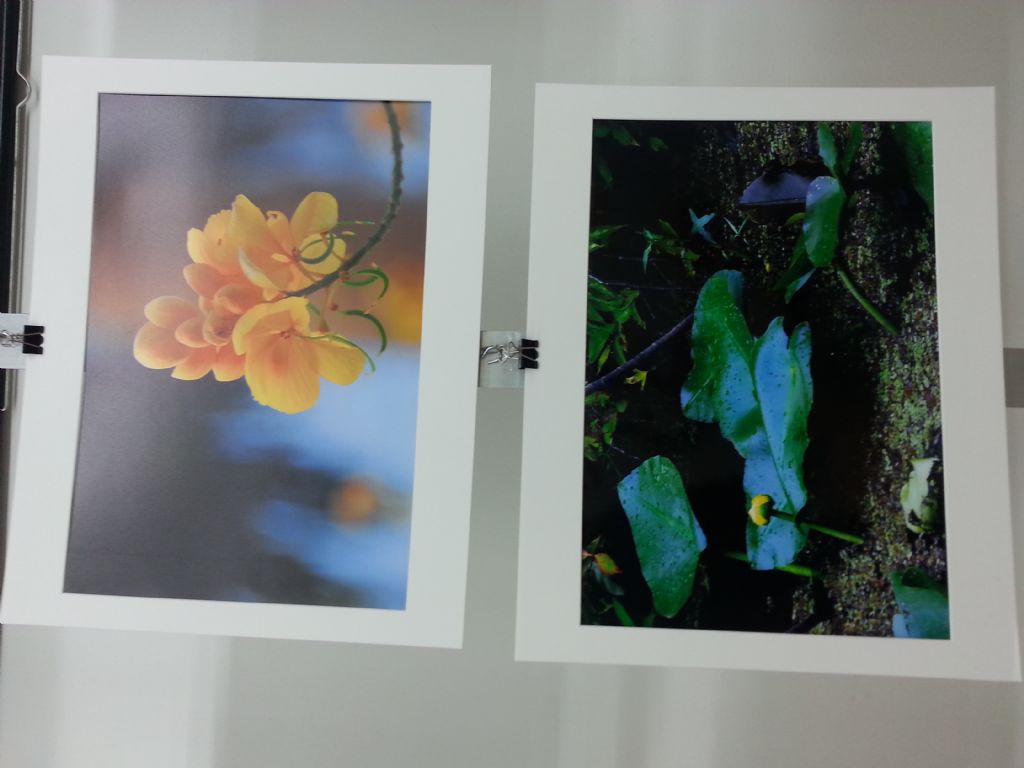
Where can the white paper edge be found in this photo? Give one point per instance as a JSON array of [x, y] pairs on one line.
[[48, 416], [984, 638]]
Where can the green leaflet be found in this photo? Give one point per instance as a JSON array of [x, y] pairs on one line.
[[839, 164], [759, 391], [923, 606], [799, 270], [668, 537], [825, 201], [915, 139], [608, 311], [827, 148], [854, 138]]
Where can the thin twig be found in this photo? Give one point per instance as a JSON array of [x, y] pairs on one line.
[[634, 362], [394, 200]]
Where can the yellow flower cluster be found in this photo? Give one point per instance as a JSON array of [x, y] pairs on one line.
[[243, 321]]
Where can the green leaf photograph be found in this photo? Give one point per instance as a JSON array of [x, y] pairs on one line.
[[762, 428]]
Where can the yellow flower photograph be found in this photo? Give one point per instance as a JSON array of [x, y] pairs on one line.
[[253, 353]]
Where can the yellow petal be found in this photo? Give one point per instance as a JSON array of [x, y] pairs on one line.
[[195, 244], [169, 311], [211, 245], [216, 228], [277, 222], [190, 333], [254, 273], [318, 212], [237, 297], [283, 376], [759, 506], [203, 279], [219, 326], [228, 366], [271, 318], [156, 347], [338, 362], [248, 227], [196, 365]]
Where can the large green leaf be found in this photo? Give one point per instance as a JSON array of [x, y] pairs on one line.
[[923, 606], [774, 545], [915, 139], [759, 391], [825, 201], [668, 537]]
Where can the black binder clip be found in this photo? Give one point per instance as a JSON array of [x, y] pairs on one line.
[[529, 354], [30, 339], [504, 356], [18, 338]]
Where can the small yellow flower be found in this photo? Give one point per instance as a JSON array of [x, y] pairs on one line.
[[284, 359], [193, 340], [172, 338], [760, 509], [280, 254]]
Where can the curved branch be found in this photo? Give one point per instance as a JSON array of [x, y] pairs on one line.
[[627, 367], [394, 200]]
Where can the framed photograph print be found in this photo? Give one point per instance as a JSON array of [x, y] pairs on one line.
[[252, 416], [769, 427]]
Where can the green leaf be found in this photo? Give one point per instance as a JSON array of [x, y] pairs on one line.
[[599, 236], [915, 140], [646, 255], [799, 270], [854, 138], [622, 135], [759, 391], [606, 564], [825, 201], [919, 513], [699, 224], [774, 545], [656, 144], [923, 606], [608, 311], [370, 275], [376, 324], [797, 284], [668, 537], [600, 129], [622, 614], [604, 171], [827, 148], [668, 229], [328, 249]]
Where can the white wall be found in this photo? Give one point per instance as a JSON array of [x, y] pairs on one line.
[[91, 698]]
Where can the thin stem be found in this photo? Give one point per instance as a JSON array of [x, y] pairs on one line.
[[394, 200], [635, 362], [820, 528], [796, 570], [870, 308]]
